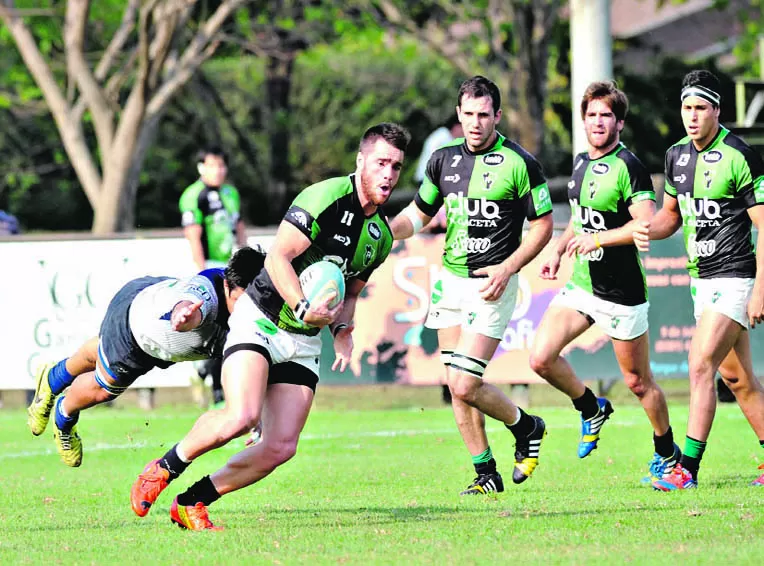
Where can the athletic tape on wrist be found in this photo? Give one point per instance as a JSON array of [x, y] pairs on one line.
[[416, 222]]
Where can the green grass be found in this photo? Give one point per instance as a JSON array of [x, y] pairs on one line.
[[382, 487]]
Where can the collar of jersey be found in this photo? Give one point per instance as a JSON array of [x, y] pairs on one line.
[[613, 151], [714, 142], [499, 140]]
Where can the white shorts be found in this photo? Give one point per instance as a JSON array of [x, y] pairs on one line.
[[251, 329], [621, 322], [726, 295], [456, 301]]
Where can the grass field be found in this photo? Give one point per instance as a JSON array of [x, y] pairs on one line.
[[381, 487]]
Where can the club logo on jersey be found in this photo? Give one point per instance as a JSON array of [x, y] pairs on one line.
[[374, 231], [488, 179], [601, 169], [300, 217], [493, 159], [708, 178], [699, 212], [713, 156], [593, 188], [344, 240], [683, 160], [471, 212], [368, 255], [455, 178]]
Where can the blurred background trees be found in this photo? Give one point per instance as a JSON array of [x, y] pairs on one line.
[[133, 88]]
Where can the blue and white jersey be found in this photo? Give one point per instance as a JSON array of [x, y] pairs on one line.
[[150, 312]]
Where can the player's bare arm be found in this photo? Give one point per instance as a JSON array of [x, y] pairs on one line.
[[193, 233], [756, 303], [241, 234], [186, 316], [551, 264], [410, 221], [497, 276], [667, 221], [342, 328], [641, 213]]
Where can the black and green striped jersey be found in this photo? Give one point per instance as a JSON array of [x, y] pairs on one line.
[[715, 188], [330, 214], [217, 209], [487, 195], [600, 192]]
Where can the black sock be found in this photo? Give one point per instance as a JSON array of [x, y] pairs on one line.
[[691, 464], [761, 443], [664, 445], [173, 464], [524, 427], [202, 491], [488, 467], [587, 405]]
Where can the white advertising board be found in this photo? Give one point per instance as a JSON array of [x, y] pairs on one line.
[[54, 294]]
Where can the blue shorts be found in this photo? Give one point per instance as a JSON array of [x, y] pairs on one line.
[[118, 351]]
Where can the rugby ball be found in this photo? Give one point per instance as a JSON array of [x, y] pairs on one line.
[[321, 279]]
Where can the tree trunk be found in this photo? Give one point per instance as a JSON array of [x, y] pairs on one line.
[[278, 86]]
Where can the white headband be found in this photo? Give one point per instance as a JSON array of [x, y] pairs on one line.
[[702, 92]]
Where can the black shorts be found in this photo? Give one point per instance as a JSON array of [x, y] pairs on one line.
[[118, 351]]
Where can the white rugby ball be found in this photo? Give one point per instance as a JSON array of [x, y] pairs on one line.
[[321, 279]]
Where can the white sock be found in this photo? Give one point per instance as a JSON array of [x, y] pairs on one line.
[[517, 420], [62, 410], [181, 455]]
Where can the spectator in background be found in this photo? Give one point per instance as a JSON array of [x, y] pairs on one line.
[[9, 225], [450, 130], [211, 219]]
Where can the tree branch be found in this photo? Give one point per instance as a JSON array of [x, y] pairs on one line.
[[77, 12], [201, 47], [71, 132]]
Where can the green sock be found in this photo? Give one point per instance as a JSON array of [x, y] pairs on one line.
[[483, 457], [693, 454], [694, 448]]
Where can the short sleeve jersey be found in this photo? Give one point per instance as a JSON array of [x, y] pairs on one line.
[[218, 211], [600, 192], [150, 314], [715, 188], [330, 215], [487, 195]]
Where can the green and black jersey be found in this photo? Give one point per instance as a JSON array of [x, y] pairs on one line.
[[217, 209], [487, 195], [330, 214], [600, 192], [715, 188]]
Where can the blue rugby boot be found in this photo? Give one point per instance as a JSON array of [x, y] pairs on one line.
[[590, 428]]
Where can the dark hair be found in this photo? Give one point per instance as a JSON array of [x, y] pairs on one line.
[[243, 267], [478, 87], [202, 154], [705, 79], [608, 91], [394, 134]]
